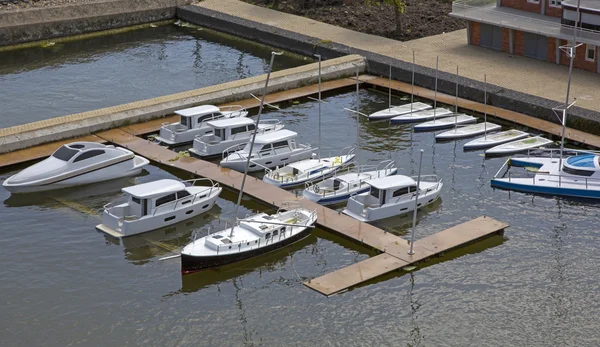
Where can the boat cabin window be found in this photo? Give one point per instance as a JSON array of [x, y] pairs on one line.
[[165, 199], [585, 173], [220, 133], [65, 153], [185, 121], [238, 130], [280, 144], [77, 146], [136, 200], [374, 192], [267, 236], [265, 149], [401, 191], [202, 118], [88, 154], [182, 194], [251, 127], [275, 232], [336, 184]]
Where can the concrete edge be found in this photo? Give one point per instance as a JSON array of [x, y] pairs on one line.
[[377, 64]]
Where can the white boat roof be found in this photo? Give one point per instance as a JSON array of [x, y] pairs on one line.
[[394, 181], [228, 122], [275, 136], [198, 110], [153, 189]]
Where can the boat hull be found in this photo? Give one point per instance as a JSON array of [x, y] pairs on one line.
[[238, 163], [491, 141], [191, 264], [461, 133], [395, 111], [525, 185], [328, 171], [445, 123], [421, 116]]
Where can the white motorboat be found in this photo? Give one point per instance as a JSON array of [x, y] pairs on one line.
[[193, 122], [579, 175], [270, 150], [396, 111], [158, 204], [230, 132], [308, 170], [496, 139], [250, 237], [421, 116], [468, 131], [341, 186], [518, 146], [445, 123], [391, 196], [76, 164]]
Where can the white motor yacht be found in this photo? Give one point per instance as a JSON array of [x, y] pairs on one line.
[[230, 132], [76, 164], [157, 204], [193, 122], [341, 186], [250, 237], [391, 196], [270, 150]]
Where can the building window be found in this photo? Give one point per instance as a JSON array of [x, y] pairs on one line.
[[534, 1], [590, 53], [555, 3]]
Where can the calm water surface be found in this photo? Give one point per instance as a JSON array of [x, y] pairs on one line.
[[66, 284], [71, 77]]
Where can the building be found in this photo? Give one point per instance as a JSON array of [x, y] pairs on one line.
[[534, 28]]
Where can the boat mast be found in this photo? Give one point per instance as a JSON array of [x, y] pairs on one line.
[[456, 100], [390, 89], [412, 88], [435, 92], [414, 222], [319, 56], [260, 108], [357, 120], [485, 107], [570, 50]]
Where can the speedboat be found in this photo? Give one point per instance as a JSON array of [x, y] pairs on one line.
[[193, 122], [229, 132], [157, 204], [76, 164], [394, 111], [308, 170], [496, 139], [270, 150], [391, 196], [341, 186], [468, 131], [445, 123], [421, 116], [579, 175], [249, 237], [522, 145]]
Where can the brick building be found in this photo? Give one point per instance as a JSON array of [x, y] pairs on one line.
[[534, 28]]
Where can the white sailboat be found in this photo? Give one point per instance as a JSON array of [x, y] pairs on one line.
[[393, 111], [496, 139], [312, 169], [251, 236], [518, 146]]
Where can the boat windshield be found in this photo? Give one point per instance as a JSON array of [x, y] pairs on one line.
[[65, 153]]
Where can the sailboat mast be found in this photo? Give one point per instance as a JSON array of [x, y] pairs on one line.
[[260, 108], [357, 120], [319, 56], [390, 89], [456, 100], [485, 106], [573, 48], [436, 82], [412, 88]]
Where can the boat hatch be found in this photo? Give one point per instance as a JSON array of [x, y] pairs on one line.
[[217, 237], [336, 184], [226, 241], [263, 227], [65, 153]]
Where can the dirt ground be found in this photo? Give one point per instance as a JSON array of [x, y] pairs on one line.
[[421, 18]]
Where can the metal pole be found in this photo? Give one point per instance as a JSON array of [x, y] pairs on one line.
[[456, 100], [412, 90], [260, 108], [357, 119], [319, 56], [390, 89], [435, 92], [485, 107], [564, 121], [412, 234]]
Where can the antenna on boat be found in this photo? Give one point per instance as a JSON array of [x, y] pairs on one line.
[[436, 81], [412, 233], [319, 56], [456, 101], [260, 108], [569, 49], [485, 106], [390, 88], [412, 88]]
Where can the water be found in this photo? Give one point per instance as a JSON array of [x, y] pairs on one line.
[[63, 283], [77, 76]]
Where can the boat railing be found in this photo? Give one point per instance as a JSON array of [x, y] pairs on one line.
[[555, 152], [202, 194], [427, 178], [232, 108], [572, 181]]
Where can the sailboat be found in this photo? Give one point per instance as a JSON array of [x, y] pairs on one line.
[[577, 175], [393, 111], [251, 236], [312, 169], [469, 130], [342, 186]]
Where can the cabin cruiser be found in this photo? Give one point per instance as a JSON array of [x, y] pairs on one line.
[[76, 164], [157, 204], [249, 237], [391, 196], [270, 150], [193, 122], [230, 132], [308, 170], [341, 186], [579, 175]]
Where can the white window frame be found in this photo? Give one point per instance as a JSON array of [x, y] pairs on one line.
[[534, 1], [589, 48], [555, 3]]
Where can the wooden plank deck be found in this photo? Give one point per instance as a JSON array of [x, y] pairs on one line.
[[519, 118], [425, 248]]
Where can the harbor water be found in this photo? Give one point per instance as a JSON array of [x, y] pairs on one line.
[[64, 283]]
